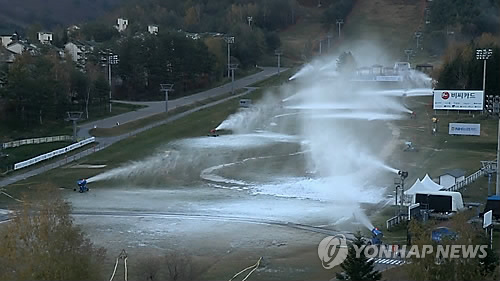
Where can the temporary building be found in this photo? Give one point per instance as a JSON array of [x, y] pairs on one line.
[[440, 201], [430, 184]]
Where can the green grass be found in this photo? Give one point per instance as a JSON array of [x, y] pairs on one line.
[[25, 152], [276, 80], [61, 127], [133, 148], [143, 122]]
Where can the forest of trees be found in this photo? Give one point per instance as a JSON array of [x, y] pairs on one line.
[[43, 88]]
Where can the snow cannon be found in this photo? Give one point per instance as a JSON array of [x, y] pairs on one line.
[[82, 185], [377, 236], [403, 174], [213, 133]]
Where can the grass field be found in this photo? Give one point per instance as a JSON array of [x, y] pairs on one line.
[[133, 148], [8, 133], [143, 122], [21, 153]]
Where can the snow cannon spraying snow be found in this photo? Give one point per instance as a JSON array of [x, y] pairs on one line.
[[82, 185], [377, 236], [213, 133], [403, 174]]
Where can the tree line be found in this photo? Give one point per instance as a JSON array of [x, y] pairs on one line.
[[461, 69], [41, 88]]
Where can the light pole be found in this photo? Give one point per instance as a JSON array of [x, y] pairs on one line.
[[229, 40], [418, 34], [232, 67], [329, 37], [74, 116], [109, 59], [484, 55], [250, 19], [166, 88], [339, 22], [493, 107], [408, 53], [278, 53]]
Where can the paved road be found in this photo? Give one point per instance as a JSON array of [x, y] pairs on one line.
[[156, 107], [153, 108]]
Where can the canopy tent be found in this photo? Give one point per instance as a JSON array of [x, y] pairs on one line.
[[432, 185], [421, 186]]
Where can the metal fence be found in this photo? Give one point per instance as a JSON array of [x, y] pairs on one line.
[[17, 143], [468, 180], [395, 220]]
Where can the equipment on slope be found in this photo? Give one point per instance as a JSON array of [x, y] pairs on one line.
[[213, 133], [82, 185], [377, 236]]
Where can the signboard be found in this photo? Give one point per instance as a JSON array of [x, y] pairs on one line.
[[487, 217], [464, 129], [458, 100]]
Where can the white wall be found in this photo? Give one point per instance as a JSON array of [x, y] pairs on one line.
[[6, 40], [446, 180]]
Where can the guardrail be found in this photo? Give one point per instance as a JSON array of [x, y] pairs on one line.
[[17, 143], [468, 180], [52, 154]]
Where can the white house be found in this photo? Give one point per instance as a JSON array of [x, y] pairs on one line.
[[122, 24], [78, 50], [153, 29], [45, 37], [16, 47], [6, 40], [451, 177]]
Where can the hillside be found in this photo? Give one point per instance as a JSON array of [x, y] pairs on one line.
[[50, 13], [389, 24]]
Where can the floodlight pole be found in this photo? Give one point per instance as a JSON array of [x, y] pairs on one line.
[[166, 88], [484, 55], [418, 34], [232, 68], [339, 22], [229, 40], [408, 53], [278, 53]]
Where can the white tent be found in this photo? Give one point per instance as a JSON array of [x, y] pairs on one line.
[[456, 198], [430, 184]]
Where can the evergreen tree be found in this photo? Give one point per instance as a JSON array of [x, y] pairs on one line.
[[358, 268]]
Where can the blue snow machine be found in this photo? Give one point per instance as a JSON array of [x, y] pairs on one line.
[[82, 185]]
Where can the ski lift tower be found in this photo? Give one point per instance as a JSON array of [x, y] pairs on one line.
[[74, 116], [166, 88]]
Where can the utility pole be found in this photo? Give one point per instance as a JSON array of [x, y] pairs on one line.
[[339, 22], [278, 53], [229, 40], [320, 46], [166, 88], [418, 34], [408, 53], [232, 67]]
